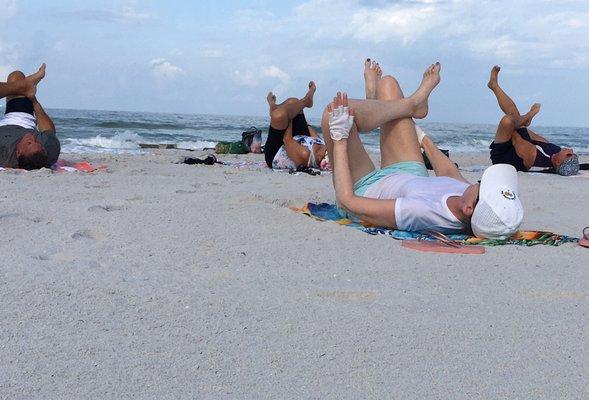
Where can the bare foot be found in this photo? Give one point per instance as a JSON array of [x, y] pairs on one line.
[[527, 118], [372, 74], [431, 79], [493, 83], [271, 98], [30, 82], [309, 96]]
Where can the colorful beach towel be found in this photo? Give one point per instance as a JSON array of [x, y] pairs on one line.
[[76, 166], [329, 212], [68, 166]]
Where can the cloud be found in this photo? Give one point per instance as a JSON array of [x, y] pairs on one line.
[[125, 14], [8, 9], [253, 78], [162, 68], [8, 59]]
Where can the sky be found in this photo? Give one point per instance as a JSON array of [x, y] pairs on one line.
[[222, 57]]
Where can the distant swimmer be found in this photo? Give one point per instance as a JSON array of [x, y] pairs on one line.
[[27, 133], [292, 142], [401, 194], [516, 144]]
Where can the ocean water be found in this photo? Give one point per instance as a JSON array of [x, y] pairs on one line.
[[121, 132]]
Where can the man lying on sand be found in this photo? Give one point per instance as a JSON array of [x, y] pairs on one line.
[[517, 145], [291, 141], [27, 134], [401, 195]]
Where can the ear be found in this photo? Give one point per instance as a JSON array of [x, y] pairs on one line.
[[467, 209]]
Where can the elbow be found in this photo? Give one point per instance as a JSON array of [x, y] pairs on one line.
[[346, 201]]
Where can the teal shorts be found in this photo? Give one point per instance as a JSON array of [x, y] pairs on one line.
[[405, 167]]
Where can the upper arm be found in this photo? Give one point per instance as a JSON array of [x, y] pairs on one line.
[[375, 212], [298, 153]]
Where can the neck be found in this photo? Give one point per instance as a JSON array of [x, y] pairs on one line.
[[455, 206]]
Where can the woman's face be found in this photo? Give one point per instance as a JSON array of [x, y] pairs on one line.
[[320, 151]]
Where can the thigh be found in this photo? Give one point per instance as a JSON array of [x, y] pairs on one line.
[[359, 161], [398, 140]]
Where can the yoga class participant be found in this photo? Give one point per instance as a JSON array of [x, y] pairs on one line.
[[27, 133], [292, 142], [518, 145], [401, 195]]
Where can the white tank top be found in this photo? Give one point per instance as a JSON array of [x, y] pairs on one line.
[[421, 202], [21, 119]]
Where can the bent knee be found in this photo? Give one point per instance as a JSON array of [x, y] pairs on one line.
[[508, 122], [15, 76], [279, 118], [388, 89]]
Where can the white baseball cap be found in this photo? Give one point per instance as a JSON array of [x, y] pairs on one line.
[[499, 212]]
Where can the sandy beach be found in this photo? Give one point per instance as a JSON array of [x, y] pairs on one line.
[[169, 281]]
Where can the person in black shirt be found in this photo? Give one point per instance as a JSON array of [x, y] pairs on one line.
[[27, 133]]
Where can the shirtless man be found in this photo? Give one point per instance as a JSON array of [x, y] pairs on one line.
[[401, 195], [518, 145], [291, 141], [27, 133]]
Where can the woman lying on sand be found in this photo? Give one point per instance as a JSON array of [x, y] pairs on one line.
[[517, 145], [291, 142]]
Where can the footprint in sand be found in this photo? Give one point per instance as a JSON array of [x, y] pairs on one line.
[[107, 208], [83, 234]]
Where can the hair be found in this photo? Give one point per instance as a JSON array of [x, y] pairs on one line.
[[36, 160]]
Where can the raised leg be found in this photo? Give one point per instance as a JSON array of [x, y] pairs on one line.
[[373, 113], [506, 104], [506, 131], [282, 114], [398, 141], [19, 85]]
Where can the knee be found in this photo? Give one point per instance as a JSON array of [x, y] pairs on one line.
[[15, 76], [388, 88], [278, 118], [508, 122]]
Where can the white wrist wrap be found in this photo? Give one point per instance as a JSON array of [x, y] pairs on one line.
[[420, 134], [340, 123]]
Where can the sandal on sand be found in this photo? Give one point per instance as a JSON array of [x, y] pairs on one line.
[[442, 245], [584, 241], [438, 247]]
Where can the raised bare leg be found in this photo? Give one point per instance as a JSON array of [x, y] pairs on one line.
[[371, 114], [285, 112], [22, 87], [506, 104], [398, 141]]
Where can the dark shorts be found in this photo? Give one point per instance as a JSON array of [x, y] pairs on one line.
[[504, 153], [274, 141]]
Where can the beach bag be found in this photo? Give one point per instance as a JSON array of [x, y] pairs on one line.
[[231, 148], [252, 140]]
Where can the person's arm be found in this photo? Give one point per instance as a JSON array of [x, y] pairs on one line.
[[442, 165], [374, 212], [298, 153], [313, 132], [44, 122]]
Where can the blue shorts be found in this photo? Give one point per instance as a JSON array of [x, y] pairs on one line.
[[405, 167]]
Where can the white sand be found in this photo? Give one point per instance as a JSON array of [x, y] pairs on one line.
[[159, 280]]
